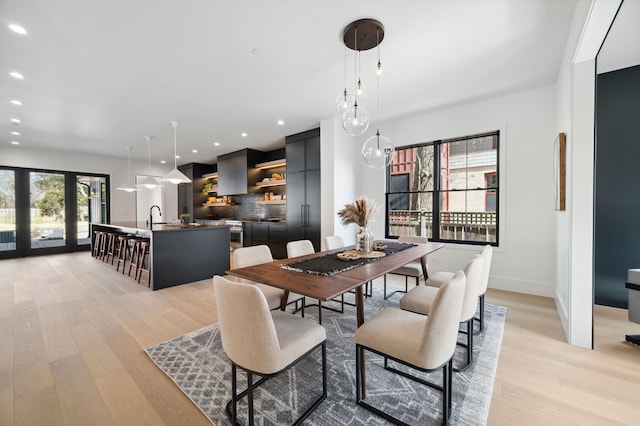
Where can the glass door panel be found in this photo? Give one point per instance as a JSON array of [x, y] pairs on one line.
[[47, 209], [7, 210], [90, 205]]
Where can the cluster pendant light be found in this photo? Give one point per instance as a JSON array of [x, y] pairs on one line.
[[364, 34], [175, 176], [149, 181], [129, 187]]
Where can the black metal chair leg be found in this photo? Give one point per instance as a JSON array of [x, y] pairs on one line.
[[234, 391], [468, 346], [480, 318], [250, 396], [445, 393]]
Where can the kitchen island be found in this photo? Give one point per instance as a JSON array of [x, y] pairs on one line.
[[179, 254]]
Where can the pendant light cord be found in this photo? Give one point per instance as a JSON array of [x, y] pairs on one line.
[[378, 92], [149, 140]]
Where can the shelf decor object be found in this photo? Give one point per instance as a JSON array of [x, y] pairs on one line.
[[175, 176], [149, 181], [129, 187], [360, 212]]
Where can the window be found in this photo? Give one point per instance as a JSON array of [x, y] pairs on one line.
[[446, 190]]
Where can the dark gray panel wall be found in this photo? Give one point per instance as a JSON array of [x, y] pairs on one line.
[[617, 193]]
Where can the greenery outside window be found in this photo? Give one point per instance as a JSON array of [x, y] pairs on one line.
[[446, 190]]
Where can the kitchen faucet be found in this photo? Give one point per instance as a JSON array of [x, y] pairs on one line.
[[151, 214]]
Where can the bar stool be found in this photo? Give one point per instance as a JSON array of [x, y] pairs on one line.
[[143, 263], [104, 244], [97, 242], [124, 251], [110, 247], [135, 255]]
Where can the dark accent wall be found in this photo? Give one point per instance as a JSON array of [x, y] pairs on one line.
[[617, 183]]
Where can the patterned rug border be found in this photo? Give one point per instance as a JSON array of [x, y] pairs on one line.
[[470, 409]]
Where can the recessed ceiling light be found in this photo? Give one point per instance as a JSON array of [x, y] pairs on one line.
[[16, 102], [216, 144], [195, 151], [280, 122], [163, 162], [15, 133], [243, 134], [15, 120], [17, 29], [17, 75], [15, 143], [177, 157]]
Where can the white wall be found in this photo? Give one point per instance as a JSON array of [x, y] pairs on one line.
[[338, 177], [525, 260], [575, 115], [123, 204]]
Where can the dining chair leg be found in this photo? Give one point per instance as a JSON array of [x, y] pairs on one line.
[[468, 346], [250, 396], [234, 392]]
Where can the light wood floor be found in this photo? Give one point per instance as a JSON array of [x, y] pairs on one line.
[[72, 332]]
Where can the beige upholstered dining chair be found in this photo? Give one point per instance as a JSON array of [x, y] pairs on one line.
[[256, 255], [261, 341], [333, 242], [429, 346], [420, 300], [441, 277], [411, 269], [302, 248]]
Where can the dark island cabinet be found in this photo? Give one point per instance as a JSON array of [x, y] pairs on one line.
[[303, 187]]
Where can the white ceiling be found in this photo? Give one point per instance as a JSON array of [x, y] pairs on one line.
[[102, 74]]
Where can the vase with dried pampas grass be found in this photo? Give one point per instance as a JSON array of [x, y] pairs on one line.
[[360, 212]]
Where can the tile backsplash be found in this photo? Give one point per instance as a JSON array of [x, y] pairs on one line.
[[246, 207]]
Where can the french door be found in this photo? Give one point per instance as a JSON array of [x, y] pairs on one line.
[[45, 211]]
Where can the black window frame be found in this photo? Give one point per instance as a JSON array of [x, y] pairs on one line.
[[436, 192]]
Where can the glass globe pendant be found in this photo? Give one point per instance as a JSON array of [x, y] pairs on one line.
[[343, 102], [377, 151], [355, 120]]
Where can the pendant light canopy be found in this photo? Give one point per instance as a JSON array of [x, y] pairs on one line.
[[149, 181], [175, 176], [129, 187]]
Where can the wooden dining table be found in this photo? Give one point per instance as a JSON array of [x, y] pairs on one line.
[[328, 287]]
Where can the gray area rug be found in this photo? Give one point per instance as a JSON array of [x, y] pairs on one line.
[[197, 363]]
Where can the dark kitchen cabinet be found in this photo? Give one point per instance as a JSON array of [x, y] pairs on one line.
[[303, 187], [185, 191], [190, 195], [273, 235]]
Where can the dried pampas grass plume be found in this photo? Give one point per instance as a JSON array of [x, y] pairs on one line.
[[360, 212]]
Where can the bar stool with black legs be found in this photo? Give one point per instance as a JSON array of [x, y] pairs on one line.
[[143, 261]]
